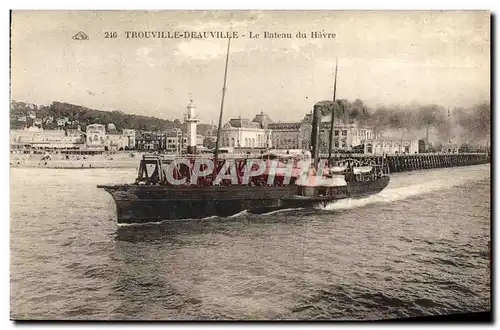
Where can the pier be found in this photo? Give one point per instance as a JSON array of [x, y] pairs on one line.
[[415, 162]]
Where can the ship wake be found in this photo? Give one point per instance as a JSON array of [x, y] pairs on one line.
[[283, 210], [244, 212], [400, 190]]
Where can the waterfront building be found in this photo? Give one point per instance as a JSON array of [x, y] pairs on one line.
[[176, 140], [286, 135], [96, 135], [99, 139], [36, 138], [75, 135], [391, 146], [243, 133], [297, 135], [129, 138], [171, 141], [150, 141]]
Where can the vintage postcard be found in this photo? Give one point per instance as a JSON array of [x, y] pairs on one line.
[[250, 165]]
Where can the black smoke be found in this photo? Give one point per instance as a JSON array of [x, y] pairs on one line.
[[465, 125]]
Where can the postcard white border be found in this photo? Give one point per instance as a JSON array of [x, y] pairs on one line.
[[186, 4]]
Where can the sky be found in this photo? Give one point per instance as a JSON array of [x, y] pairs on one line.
[[384, 58]]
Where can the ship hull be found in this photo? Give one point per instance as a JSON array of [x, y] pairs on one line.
[[144, 204]]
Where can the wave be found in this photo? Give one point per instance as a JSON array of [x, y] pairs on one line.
[[405, 190], [152, 222], [210, 217], [244, 212], [283, 210]]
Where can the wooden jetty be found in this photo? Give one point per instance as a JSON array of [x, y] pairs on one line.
[[415, 162]]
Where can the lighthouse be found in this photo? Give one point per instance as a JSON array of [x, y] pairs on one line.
[[191, 121]]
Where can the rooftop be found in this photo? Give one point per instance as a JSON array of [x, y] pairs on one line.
[[263, 120], [242, 123]]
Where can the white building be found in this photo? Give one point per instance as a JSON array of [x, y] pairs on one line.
[[75, 135], [94, 139], [297, 135], [62, 121], [33, 134], [262, 132], [120, 141], [244, 133], [129, 138], [361, 134], [96, 136], [390, 146], [99, 139], [38, 138]]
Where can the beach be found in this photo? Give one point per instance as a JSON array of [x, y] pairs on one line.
[[118, 160]]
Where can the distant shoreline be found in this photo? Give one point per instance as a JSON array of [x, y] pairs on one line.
[[74, 161], [75, 164]]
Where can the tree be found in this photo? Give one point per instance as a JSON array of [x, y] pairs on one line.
[[209, 143]]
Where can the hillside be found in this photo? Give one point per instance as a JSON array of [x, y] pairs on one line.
[[70, 116]]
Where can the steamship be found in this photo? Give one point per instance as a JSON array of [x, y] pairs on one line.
[[154, 198]]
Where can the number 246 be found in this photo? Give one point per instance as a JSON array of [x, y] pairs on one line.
[[110, 35]]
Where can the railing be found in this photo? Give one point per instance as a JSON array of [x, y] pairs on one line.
[[171, 157], [400, 154]]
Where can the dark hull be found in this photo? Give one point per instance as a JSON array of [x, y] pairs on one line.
[[142, 204]]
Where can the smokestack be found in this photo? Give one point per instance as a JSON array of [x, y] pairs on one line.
[[315, 133]]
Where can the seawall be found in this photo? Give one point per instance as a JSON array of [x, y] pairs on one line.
[[406, 163]]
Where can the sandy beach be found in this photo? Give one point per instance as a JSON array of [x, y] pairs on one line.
[[122, 160]]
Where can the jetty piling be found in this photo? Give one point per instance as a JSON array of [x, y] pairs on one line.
[[415, 162]]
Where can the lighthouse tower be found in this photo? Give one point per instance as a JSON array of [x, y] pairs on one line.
[[191, 121]]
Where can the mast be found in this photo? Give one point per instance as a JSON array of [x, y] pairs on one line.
[[333, 112], [217, 143], [382, 163]]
